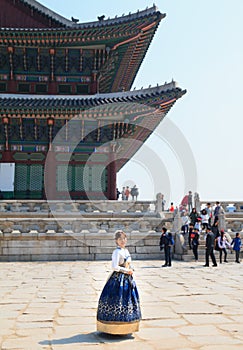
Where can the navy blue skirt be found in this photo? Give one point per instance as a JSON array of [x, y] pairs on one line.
[[119, 308]]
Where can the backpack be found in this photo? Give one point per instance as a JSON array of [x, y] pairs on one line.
[[171, 239]]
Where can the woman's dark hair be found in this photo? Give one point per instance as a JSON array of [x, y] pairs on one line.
[[119, 233]]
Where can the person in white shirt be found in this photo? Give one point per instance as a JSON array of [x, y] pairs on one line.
[[205, 219], [223, 244]]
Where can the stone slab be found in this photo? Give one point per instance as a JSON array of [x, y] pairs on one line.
[[52, 305]]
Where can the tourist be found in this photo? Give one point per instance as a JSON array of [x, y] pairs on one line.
[[166, 242], [216, 211], [119, 308], [195, 243], [117, 194], [190, 235], [209, 248], [127, 193], [189, 201], [134, 192], [205, 219], [236, 244], [198, 224], [184, 204], [223, 244], [185, 228], [185, 223], [215, 228], [123, 193], [171, 207], [210, 214], [193, 216]]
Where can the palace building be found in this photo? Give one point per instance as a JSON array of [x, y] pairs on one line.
[[68, 118]]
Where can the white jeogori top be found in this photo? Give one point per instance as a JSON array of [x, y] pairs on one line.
[[119, 257]]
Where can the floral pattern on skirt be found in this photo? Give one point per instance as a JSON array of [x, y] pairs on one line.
[[119, 300]]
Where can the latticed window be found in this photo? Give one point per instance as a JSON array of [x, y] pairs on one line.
[[28, 179], [98, 178], [36, 177], [21, 177], [64, 178], [78, 178]]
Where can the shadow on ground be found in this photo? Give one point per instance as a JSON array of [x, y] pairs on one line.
[[93, 337]]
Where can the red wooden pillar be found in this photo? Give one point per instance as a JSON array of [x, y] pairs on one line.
[[94, 83], [52, 83], [50, 166], [7, 157], [50, 176], [111, 169]]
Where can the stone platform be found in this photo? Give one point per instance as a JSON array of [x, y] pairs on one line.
[[52, 306], [77, 230]]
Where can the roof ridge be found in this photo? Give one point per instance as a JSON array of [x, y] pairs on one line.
[[47, 11], [98, 23]]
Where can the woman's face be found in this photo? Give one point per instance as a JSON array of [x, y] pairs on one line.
[[122, 241]]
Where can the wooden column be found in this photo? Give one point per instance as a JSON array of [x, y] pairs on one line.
[[11, 82], [52, 83], [50, 166], [111, 169], [94, 88], [50, 176]]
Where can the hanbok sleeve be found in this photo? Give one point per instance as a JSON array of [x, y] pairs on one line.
[[116, 262]]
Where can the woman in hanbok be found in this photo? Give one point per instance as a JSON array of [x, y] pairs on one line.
[[119, 308]]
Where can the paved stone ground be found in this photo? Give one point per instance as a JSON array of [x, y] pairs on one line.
[[52, 306]]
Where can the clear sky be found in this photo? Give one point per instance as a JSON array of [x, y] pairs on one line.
[[199, 45]]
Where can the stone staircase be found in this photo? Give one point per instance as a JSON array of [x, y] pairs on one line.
[[188, 253]]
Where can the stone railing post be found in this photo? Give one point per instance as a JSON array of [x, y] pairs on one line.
[[222, 224], [158, 203], [176, 232], [3, 206]]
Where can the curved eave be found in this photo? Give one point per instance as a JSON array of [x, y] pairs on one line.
[[68, 106], [145, 126], [108, 31]]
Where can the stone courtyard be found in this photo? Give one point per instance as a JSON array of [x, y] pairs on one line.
[[52, 306]]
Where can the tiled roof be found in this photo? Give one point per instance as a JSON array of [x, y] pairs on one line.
[[10, 101], [35, 5]]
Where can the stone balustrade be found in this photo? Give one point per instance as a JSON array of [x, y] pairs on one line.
[[225, 204], [38, 207], [70, 230], [29, 239]]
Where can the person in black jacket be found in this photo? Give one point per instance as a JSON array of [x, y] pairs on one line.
[[210, 248], [193, 216], [165, 243], [195, 243]]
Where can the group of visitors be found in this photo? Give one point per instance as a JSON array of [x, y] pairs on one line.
[[128, 192], [220, 243], [213, 242], [206, 221]]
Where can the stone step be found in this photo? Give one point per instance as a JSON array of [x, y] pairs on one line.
[[201, 256]]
